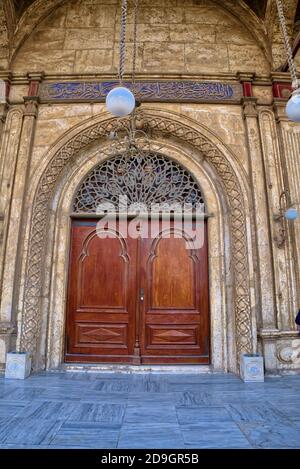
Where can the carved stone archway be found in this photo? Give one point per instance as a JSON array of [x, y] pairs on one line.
[[166, 125]]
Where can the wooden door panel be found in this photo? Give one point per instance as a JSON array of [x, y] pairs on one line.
[[173, 336], [101, 263], [175, 310], [101, 296], [172, 267]]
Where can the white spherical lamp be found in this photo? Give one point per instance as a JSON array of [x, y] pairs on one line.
[[120, 101], [293, 107], [291, 214]]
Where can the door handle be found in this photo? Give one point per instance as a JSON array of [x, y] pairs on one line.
[[142, 294]]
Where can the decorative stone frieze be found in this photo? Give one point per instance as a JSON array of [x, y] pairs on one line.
[[150, 91]]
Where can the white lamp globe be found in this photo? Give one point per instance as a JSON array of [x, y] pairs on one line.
[[120, 101], [291, 214], [293, 107]]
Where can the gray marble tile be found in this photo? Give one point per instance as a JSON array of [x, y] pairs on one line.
[[113, 386], [187, 415], [88, 410], [97, 397], [297, 424], [77, 377], [217, 398], [150, 383], [200, 378], [87, 435], [10, 409], [223, 435], [289, 410], [114, 376], [139, 398], [150, 414], [60, 394], [29, 431], [106, 413], [47, 410], [190, 399], [260, 412], [271, 436], [25, 394], [4, 391], [69, 447], [15, 446], [150, 436], [206, 387]]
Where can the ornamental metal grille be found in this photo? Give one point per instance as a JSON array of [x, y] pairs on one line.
[[149, 181]]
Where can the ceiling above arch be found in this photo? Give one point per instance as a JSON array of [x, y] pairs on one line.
[[257, 16], [258, 6], [21, 5]]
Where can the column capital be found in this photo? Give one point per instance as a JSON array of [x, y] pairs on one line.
[[3, 111], [249, 107], [245, 76], [279, 106], [7, 327], [5, 80], [31, 105], [282, 77], [36, 76], [5, 76]]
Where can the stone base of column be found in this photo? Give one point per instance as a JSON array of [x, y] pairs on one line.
[[7, 341], [281, 351]]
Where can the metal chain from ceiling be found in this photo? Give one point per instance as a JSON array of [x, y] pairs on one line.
[[124, 13], [292, 67], [123, 40]]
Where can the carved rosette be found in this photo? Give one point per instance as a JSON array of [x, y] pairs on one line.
[[166, 127]]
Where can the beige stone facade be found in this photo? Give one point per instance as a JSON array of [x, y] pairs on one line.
[[244, 153]]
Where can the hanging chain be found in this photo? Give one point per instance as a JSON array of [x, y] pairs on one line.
[[134, 54], [287, 44], [123, 40]]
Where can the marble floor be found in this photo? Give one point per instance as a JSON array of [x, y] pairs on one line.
[[119, 410]]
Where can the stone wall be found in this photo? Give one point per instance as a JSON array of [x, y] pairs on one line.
[[180, 37]]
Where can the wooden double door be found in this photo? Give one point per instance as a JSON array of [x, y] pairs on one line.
[[136, 299]]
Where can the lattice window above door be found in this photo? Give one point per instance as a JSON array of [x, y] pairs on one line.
[[146, 180]]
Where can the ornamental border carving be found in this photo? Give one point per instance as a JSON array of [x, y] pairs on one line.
[[167, 127], [151, 91]]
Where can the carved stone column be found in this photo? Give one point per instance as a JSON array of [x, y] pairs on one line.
[[3, 112], [266, 300], [4, 91], [289, 134], [16, 216]]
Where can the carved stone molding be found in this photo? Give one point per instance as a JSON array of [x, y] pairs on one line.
[[31, 106], [166, 126], [148, 91], [288, 353], [249, 107], [3, 111]]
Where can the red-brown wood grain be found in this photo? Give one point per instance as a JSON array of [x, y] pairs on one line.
[[136, 300]]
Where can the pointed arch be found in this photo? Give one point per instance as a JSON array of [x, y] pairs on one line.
[[159, 124]]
